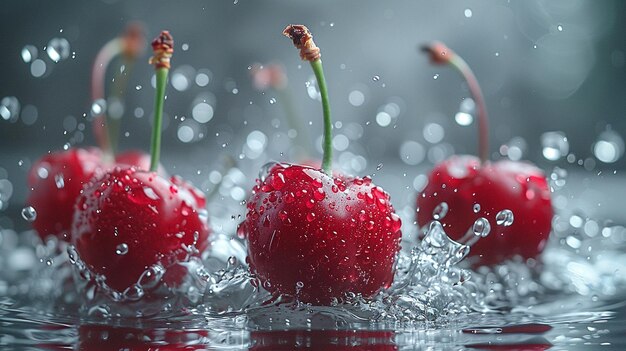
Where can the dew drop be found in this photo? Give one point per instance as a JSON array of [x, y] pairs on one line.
[[505, 218], [476, 208], [440, 211], [121, 249], [29, 213]]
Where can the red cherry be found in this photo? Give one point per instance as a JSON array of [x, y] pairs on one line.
[[468, 188], [129, 220], [471, 190], [57, 179], [317, 237]]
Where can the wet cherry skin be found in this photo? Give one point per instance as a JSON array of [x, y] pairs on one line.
[[317, 237], [462, 182], [55, 181], [128, 220], [57, 178]]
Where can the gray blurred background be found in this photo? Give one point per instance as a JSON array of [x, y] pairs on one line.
[[553, 74]]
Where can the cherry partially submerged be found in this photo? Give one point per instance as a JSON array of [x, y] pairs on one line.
[[130, 220], [513, 198], [317, 235]]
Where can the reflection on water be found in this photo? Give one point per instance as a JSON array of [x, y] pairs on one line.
[[562, 329]]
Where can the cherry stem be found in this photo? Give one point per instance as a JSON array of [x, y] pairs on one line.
[[441, 54], [155, 144], [163, 47], [130, 44], [104, 57], [327, 158], [303, 40]]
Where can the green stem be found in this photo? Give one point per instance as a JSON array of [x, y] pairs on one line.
[[483, 122], [155, 145], [327, 159]]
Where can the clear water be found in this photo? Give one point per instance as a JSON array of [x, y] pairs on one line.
[[572, 300]]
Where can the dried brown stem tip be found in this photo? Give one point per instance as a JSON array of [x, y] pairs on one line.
[[439, 53], [303, 40], [134, 40], [163, 47]]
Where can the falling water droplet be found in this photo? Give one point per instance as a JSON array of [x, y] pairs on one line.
[[558, 177], [58, 49], [436, 76], [440, 211], [29, 213], [505, 218], [555, 145], [29, 53], [121, 249], [481, 227], [59, 181], [380, 165], [376, 78], [98, 107]]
